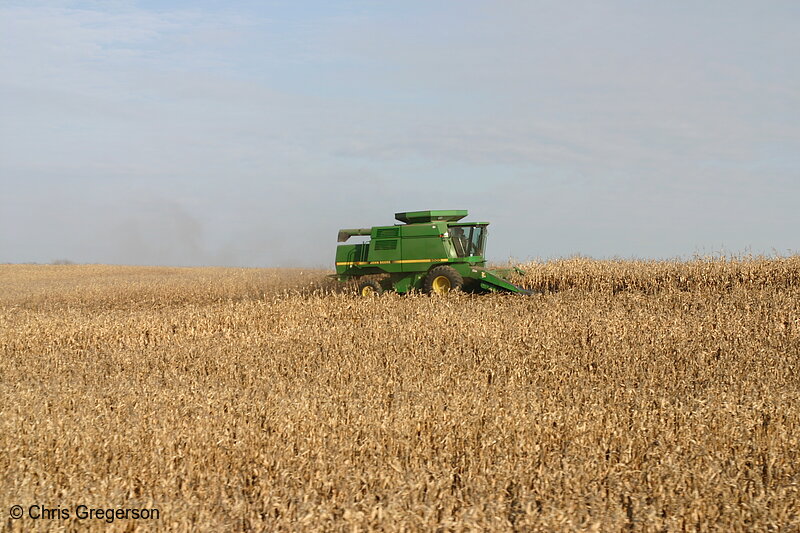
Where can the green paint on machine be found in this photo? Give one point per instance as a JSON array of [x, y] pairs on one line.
[[430, 251]]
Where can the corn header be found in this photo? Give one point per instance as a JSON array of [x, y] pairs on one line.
[[429, 251]]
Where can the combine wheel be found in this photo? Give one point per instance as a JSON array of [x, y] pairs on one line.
[[369, 288], [443, 279]]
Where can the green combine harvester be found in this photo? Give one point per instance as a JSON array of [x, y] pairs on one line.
[[431, 251]]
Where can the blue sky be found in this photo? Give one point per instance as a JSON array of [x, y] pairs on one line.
[[247, 133]]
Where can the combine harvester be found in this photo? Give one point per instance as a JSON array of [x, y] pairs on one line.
[[431, 251]]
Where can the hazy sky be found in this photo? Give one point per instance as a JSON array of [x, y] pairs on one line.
[[248, 133]]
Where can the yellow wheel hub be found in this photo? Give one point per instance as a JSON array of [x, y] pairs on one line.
[[368, 290], [441, 285]]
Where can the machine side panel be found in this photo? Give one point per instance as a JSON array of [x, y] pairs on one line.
[[385, 248], [424, 246], [349, 256]]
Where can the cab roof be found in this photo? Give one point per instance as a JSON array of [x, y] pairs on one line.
[[418, 217]]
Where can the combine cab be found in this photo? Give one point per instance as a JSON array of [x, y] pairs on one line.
[[431, 251]]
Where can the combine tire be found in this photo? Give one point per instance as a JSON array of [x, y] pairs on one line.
[[443, 279], [369, 288]]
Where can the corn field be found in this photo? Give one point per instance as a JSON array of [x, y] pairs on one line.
[[625, 396]]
